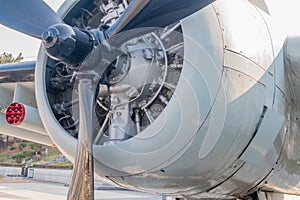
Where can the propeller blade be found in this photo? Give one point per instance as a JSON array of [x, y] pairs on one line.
[[31, 17], [155, 13], [82, 183]]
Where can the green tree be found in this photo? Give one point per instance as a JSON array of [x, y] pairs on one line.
[[18, 157], [22, 145], [9, 58]]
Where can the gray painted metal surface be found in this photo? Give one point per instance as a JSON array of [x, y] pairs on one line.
[[212, 122], [232, 125]]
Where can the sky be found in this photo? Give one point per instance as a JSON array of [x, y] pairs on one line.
[[13, 42]]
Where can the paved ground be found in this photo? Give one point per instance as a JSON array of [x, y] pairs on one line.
[[52, 191]]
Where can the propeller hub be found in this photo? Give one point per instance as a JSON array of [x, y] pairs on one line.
[[49, 39], [66, 44]]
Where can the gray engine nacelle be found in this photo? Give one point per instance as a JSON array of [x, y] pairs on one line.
[[191, 109]]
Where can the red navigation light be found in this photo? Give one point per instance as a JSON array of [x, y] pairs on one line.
[[15, 113]]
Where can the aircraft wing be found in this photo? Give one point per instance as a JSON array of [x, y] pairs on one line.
[[17, 72], [17, 85]]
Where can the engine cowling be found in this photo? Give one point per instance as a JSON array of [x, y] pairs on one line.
[[155, 95], [178, 114]]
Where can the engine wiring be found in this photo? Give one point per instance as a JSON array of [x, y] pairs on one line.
[[132, 92]]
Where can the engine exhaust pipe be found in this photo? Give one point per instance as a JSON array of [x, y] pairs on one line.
[[24, 116]]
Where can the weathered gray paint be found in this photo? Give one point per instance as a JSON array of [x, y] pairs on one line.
[[203, 144]]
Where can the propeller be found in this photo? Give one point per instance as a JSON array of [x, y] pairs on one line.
[[89, 49], [72, 45], [31, 17], [155, 13]]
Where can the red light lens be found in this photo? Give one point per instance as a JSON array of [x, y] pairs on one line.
[[15, 113]]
